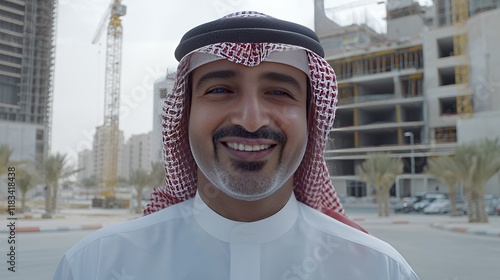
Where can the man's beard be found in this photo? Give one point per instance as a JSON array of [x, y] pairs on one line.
[[245, 180]]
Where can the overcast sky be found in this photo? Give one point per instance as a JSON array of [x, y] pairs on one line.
[[152, 29]]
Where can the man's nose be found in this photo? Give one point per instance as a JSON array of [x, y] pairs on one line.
[[251, 112]]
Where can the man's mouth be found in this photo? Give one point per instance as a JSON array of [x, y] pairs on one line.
[[247, 148]]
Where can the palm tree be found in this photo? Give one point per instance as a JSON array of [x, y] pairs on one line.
[[380, 170], [54, 168], [476, 163], [26, 180], [443, 169], [140, 179]]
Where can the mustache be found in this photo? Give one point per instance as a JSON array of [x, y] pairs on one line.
[[238, 131]]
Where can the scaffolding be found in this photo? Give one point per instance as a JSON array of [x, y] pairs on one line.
[[379, 62], [460, 15], [446, 134], [412, 8], [27, 47], [412, 85], [445, 14]]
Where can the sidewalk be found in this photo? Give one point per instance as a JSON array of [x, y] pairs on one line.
[[441, 222], [92, 219], [67, 219]]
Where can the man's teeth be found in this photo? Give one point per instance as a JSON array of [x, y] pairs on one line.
[[247, 148]]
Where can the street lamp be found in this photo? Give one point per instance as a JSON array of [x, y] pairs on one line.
[[410, 134]]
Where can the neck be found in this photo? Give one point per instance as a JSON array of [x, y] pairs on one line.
[[241, 210]]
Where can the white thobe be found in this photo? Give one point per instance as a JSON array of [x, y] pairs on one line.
[[190, 241]]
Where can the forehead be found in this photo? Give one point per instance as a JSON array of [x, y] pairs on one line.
[[239, 70]]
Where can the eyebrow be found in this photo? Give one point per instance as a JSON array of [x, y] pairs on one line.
[[272, 76], [222, 74], [282, 78]]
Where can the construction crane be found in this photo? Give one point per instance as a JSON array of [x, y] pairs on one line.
[[352, 5], [460, 16], [110, 128]]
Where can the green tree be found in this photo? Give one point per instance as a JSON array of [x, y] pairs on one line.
[[141, 180], [380, 170], [475, 164], [53, 169], [443, 169]]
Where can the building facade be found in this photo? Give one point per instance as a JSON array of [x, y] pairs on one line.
[[85, 164], [98, 154], [138, 153], [27, 52], [398, 92], [135, 153], [161, 87]]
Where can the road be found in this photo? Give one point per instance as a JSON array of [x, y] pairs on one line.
[[37, 254], [434, 254], [442, 255]]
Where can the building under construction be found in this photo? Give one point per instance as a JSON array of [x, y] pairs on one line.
[[27, 52], [428, 84]]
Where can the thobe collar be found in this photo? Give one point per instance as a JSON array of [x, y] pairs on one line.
[[257, 232]]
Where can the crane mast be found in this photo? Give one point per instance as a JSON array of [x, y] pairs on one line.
[[110, 129]]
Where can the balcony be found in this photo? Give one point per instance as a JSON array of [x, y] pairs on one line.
[[366, 98]]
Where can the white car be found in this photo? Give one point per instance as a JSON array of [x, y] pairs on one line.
[[426, 200], [438, 206]]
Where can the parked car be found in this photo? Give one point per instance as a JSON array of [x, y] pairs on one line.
[[438, 206], [443, 206], [405, 205], [491, 204], [426, 199]]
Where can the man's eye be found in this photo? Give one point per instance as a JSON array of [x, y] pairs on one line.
[[218, 90], [279, 92]]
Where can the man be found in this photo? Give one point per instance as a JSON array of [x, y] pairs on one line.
[[245, 129]]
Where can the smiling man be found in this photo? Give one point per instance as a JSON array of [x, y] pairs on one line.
[[242, 143], [248, 194]]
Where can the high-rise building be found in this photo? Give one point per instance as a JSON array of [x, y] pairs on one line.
[[133, 154], [161, 87], [85, 164], [399, 92], [138, 153], [98, 154], [27, 39], [444, 9]]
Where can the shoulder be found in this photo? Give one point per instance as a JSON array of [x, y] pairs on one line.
[[355, 238], [127, 244], [140, 226]]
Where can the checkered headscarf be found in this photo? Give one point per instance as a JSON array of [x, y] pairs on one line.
[[312, 184]]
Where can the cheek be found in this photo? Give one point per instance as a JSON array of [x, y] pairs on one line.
[[203, 121], [295, 127]]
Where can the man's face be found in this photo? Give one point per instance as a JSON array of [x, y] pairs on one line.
[[248, 126]]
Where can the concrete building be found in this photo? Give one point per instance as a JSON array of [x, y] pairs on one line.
[[27, 39], [133, 154], [86, 163], [98, 154], [398, 92], [161, 87], [138, 153]]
